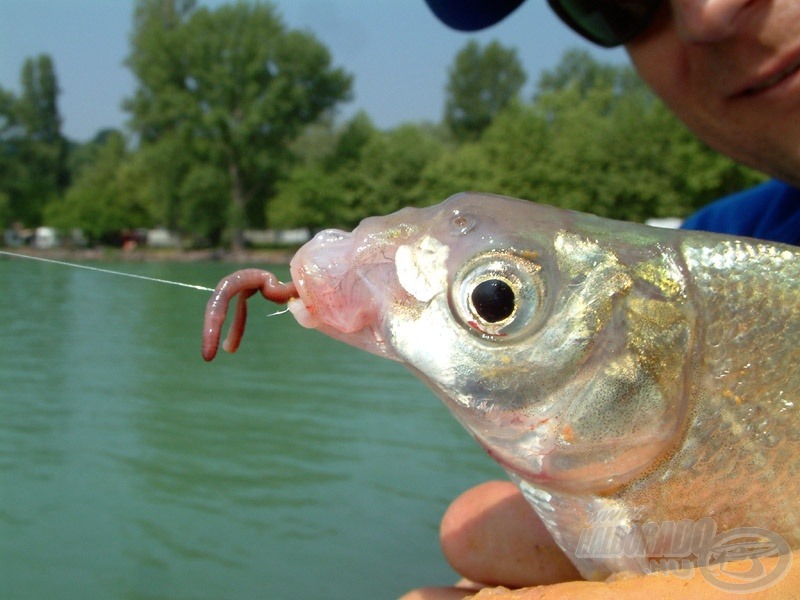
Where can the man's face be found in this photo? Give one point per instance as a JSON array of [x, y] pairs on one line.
[[730, 69]]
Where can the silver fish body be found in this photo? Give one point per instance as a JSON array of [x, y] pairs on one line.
[[633, 381]]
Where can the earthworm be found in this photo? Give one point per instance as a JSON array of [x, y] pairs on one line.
[[245, 283]]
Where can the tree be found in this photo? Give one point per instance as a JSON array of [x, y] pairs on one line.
[[578, 69], [309, 197], [318, 191], [352, 140], [481, 83], [594, 139], [38, 107], [10, 164], [389, 172], [95, 202], [156, 62], [33, 153], [616, 151], [230, 88]]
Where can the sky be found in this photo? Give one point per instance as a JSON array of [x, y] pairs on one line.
[[397, 51]]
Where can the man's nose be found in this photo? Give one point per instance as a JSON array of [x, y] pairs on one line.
[[704, 21]]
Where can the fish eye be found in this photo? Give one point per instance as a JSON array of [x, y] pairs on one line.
[[493, 300], [498, 295]]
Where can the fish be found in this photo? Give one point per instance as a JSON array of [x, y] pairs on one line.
[[639, 385]]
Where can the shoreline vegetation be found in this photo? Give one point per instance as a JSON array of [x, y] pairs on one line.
[[591, 138], [109, 254]]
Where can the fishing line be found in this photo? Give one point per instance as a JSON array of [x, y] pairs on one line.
[[202, 288], [110, 272]]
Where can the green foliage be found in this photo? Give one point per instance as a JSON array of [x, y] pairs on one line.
[[369, 172], [232, 120], [309, 197], [33, 153], [95, 201], [466, 169], [204, 204], [38, 106], [321, 190], [594, 139], [350, 143], [11, 165], [5, 211], [578, 70], [390, 170], [228, 88], [153, 176], [481, 83], [616, 151]]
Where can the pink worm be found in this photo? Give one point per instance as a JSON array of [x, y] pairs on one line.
[[245, 283]]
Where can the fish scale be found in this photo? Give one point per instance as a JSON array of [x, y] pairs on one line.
[[744, 395], [747, 386]]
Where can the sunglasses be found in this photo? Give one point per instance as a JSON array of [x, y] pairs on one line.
[[608, 23]]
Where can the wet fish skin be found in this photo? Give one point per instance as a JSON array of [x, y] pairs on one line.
[[642, 373]]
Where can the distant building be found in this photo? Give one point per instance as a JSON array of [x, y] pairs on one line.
[[45, 238], [162, 238], [272, 237]]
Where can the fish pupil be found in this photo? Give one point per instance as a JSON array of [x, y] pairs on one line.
[[493, 300]]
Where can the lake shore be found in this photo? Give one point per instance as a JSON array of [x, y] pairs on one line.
[[105, 254]]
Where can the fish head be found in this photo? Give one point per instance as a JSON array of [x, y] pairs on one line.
[[565, 356]]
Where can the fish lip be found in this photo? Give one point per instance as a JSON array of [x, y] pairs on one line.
[[300, 288], [770, 75]]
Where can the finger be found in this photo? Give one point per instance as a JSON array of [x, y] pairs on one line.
[[665, 586], [490, 534], [439, 593]]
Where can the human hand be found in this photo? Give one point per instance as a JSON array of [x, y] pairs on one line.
[[491, 535]]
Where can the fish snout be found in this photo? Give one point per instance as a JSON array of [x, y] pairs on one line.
[[342, 279], [321, 270]]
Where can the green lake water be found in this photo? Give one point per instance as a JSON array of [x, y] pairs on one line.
[[130, 468]]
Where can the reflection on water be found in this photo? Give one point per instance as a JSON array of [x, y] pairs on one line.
[[130, 468]]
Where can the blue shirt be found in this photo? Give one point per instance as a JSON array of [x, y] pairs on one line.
[[770, 211]]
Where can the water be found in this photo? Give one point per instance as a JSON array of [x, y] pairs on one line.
[[129, 468]]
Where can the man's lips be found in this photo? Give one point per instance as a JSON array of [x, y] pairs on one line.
[[772, 77]]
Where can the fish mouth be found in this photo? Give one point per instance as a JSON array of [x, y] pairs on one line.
[[330, 291], [342, 282]]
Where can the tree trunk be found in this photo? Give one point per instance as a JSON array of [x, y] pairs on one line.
[[237, 210]]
